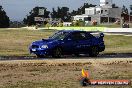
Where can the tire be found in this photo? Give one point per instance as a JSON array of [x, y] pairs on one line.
[[94, 51], [40, 56], [57, 53], [77, 55]]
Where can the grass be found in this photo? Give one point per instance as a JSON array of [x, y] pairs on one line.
[[118, 44], [23, 74], [16, 42], [58, 73]]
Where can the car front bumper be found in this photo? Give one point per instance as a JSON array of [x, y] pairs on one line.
[[39, 51]]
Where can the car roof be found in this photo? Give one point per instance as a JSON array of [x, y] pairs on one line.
[[73, 31]]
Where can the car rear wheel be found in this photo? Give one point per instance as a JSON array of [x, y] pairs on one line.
[[77, 54], [94, 51], [57, 53], [39, 56]]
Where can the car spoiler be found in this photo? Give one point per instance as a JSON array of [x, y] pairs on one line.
[[97, 33]]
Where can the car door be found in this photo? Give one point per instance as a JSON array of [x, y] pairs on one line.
[[87, 42], [82, 42], [76, 43], [73, 44], [79, 40], [69, 44]]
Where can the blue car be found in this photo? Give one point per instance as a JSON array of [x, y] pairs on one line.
[[67, 42]]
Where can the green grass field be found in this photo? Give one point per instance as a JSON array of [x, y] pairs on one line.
[[59, 73], [16, 42]]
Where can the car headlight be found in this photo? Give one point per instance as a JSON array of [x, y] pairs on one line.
[[44, 46]]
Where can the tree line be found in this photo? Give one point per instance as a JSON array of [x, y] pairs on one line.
[[60, 12], [4, 19], [63, 13]]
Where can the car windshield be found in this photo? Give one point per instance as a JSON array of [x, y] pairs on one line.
[[59, 35]]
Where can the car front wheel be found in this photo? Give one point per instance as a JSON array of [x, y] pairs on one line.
[[39, 56], [94, 51], [57, 53]]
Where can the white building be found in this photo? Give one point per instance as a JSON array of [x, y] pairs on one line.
[[104, 13], [67, 24], [107, 3]]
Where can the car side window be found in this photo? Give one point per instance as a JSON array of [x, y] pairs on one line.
[[88, 35], [78, 36]]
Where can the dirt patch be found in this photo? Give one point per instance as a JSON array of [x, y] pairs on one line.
[[61, 72]]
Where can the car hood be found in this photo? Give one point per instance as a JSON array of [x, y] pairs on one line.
[[43, 41]]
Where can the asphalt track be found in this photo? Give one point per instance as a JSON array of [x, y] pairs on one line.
[[100, 56]]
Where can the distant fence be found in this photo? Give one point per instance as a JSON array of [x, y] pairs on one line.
[[103, 29], [78, 28], [118, 30]]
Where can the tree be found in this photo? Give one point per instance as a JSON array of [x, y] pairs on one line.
[[65, 15], [73, 13], [29, 20], [124, 10], [114, 6], [61, 12], [131, 9], [53, 13], [4, 19]]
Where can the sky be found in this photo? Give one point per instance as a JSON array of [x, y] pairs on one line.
[[18, 9]]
